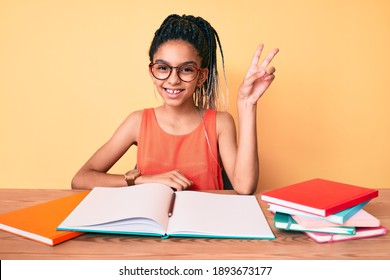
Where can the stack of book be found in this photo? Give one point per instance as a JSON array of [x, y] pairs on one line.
[[326, 211]]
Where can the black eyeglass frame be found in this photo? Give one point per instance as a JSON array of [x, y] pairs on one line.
[[198, 69]]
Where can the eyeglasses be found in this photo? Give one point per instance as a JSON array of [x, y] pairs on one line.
[[186, 72]]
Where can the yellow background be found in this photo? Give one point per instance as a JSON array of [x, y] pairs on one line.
[[71, 71]]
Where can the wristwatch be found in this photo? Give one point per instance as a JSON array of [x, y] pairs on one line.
[[131, 175]]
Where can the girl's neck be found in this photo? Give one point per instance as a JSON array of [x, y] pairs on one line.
[[178, 120], [180, 111]]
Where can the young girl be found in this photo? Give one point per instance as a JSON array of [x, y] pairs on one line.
[[185, 143]]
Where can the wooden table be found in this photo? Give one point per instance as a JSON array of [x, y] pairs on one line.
[[287, 245]]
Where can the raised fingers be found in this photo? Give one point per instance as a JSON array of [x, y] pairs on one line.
[[269, 58], [254, 66], [255, 61], [256, 56]]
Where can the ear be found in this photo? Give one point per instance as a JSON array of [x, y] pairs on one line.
[[203, 74], [150, 73]]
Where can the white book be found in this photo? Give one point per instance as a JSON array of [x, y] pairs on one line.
[[361, 219], [143, 210]]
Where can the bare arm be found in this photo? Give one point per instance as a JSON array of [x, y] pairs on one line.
[[241, 161], [94, 171]]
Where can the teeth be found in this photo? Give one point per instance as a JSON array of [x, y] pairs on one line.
[[173, 91]]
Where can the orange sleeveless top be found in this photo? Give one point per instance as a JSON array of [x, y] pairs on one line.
[[160, 152]]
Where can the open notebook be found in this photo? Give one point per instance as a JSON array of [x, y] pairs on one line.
[[143, 210]]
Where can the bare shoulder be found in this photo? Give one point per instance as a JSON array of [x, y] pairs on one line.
[[225, 121], [128, 130], [135, 116], [133, 120], [224, 117]]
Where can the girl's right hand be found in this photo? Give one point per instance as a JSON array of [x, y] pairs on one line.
[[174, 179], [258, 77]]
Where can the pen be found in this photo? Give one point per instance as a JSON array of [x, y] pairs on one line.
[[170, 212]]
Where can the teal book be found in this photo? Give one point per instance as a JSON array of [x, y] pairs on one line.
[[338, 218], [286, 222], [157, 210]]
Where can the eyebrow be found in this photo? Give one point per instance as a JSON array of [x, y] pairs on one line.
[[161, 61]]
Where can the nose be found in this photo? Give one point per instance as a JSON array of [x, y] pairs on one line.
[[174, 77]]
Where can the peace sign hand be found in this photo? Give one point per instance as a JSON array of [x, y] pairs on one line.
[[258, 78]]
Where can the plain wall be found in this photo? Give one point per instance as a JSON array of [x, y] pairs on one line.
[[71, 71]]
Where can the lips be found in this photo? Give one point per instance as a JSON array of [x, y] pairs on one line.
[[173, 92]]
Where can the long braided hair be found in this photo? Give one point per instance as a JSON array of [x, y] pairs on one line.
[[203, 37]]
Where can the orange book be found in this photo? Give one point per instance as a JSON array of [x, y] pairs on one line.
[[39, 222]]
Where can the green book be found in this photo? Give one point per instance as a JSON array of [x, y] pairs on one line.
[[286, 222]]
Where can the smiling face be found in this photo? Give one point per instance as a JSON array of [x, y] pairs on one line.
[[173, 90]]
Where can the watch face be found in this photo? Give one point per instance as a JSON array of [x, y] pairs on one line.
[[132, 174]]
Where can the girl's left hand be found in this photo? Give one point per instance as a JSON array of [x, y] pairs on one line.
[[258, 78]]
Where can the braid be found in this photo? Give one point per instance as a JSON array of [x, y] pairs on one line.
[[203, 37]]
